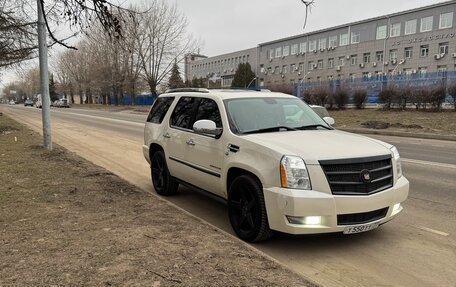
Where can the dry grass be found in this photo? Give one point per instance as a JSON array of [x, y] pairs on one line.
[[443, 123]]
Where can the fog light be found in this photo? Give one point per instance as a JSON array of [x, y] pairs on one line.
[[304, 220], [396, 208]]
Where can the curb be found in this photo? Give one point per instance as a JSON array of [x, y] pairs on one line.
[[399, 134]]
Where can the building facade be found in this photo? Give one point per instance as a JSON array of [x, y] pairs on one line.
[[413, 43], [220, 68]]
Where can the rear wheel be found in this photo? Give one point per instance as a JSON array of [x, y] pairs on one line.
[[247, 210], [163, 183]]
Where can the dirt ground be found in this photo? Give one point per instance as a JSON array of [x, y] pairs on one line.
[[442, 123], [67, 222]]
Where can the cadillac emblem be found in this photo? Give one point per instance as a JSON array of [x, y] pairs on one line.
[[365, 176]]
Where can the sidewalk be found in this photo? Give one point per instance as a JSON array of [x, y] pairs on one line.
[[67, 222]]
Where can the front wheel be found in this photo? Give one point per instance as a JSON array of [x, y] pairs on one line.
[[247, 210], [163, 183]]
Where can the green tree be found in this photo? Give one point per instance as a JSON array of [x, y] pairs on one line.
[[244, 76], [52, 92], [175, 80]]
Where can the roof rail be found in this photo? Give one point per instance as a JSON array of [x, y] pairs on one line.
[[187, 90]]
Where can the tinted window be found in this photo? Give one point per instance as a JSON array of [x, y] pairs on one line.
[[208, 110], [183, 113], [158, 111]]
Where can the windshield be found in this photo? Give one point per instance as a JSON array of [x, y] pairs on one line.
[[268, 114]]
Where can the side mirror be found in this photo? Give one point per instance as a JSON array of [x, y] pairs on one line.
[[330, 121], [207, 127]]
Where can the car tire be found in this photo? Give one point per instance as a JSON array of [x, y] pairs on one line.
[[162, 181], [247, 210]]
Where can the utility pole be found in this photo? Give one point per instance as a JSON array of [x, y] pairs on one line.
[[44, 77]]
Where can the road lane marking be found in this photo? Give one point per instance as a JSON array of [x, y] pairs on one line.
[[432, 231], [415, 161]]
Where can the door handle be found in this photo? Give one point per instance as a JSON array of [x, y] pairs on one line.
[[190, 142], [167, 136]]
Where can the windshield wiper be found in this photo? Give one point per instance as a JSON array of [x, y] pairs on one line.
[[271, 129], [309, 127]]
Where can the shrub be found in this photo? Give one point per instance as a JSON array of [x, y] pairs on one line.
[[452, 93], [319, 96], [387, 96], [341, 98], [437, 97], [286, 89], [359, 98], [420, 97]]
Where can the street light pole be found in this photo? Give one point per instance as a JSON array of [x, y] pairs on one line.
[[44, 77]]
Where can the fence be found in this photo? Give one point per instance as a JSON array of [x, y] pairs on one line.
[[375, 84]]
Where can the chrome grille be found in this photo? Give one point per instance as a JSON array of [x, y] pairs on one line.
[[345, 176]]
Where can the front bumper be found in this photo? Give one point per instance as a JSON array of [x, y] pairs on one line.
[[281, 203]]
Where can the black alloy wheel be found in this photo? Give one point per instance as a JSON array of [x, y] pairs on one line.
[[247, 210], [162, 181]]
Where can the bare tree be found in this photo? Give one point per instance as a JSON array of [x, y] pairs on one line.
[[162, 41], [17, 38], [308, 4]]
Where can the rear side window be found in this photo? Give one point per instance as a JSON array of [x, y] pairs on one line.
[[183, 113], [208, 110], [158, 111]]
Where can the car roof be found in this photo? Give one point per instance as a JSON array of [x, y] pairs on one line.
[[225, 94]]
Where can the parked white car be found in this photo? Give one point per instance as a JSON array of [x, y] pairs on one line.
[[275, 170]]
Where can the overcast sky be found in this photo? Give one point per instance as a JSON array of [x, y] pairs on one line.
[[227, 26], [231, 25]]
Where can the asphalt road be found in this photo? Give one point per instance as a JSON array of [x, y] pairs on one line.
[[416, 249]]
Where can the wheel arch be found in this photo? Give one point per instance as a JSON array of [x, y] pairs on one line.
[[234, 172], [153, 148]]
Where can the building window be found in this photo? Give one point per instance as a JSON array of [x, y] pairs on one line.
[[278, 52], [365, 76], [353, 59], [408, 52], [395, 30], [286, 51], [301, 67], [303, 47], [292, 68], [313, 45], [393, 55], [424, 50], [443, 48], [355, 37], [442, 70], [311, 65], [330, 63], [285, 69], [342, 61], [366, 58], [332, 41], [426, 24], [320, 64], [322, 43], [446, 20], [379, 56], [343, 40], [422, 71], [410, 27], [269, 70], [294, 49], [276, 69], [381, 32]]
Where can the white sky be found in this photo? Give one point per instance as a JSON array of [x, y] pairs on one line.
[[231, 25]]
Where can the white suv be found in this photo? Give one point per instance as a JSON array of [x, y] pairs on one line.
[[278, 165]]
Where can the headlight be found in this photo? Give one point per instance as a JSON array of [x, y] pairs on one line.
[[293, 173], [397, 157]]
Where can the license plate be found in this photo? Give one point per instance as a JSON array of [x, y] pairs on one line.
[[360, 228]]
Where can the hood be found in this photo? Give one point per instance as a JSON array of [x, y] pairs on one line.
[[315, 145]]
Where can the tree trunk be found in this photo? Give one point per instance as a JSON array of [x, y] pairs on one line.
[[81, 97]]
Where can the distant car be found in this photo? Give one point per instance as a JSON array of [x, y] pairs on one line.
[[11, 103], [28, 103], [38, 104], [61, 103]]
